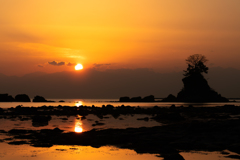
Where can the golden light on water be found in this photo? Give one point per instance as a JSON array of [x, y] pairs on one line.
[[78, 125], [78, 67], [78, 104], [78, 129]]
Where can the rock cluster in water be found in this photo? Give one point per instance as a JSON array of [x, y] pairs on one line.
[[21, 98], [138, 99], [196, 89]]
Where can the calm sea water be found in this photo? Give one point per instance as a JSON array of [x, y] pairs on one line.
[[100, 102]]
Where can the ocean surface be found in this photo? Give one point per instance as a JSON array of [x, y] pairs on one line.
[[114, 102]]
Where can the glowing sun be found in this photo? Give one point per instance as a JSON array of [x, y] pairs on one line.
[[78, 67]]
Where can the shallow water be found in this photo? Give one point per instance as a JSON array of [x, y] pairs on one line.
[[74, 123], [70, 123], [23, 152]]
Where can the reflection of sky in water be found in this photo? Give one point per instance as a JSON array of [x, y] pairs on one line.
[[78, 125]]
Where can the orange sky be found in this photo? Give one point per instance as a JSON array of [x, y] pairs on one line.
[[120, 34]]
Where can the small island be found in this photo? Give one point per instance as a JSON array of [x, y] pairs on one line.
[[196, 88]]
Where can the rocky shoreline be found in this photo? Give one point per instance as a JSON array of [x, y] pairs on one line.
[[185, 129]]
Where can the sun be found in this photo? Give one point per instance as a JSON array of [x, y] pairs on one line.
[[78, 67]]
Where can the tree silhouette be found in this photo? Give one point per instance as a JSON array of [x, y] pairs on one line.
[[196, 65]]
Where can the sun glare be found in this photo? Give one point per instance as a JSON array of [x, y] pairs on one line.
[[78, 67]]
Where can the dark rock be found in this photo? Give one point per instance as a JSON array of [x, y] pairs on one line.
[[17, 131], [233, 156], [124, 99], [38, 121], [143, 119], [234, 148], [39, 99], [136, 99], [168, 117], [172, 156], [6, 98], [18, 142], [196, 89], [22, 98], [170, 98], [2, 131], [148, 99]]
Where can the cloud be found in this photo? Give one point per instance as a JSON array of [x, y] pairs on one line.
[[40, 66], [100, 65], [71, 64], [54, 63]]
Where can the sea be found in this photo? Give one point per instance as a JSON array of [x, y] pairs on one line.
[[114, 102]]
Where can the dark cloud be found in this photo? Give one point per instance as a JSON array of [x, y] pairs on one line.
[[54, 63], [40, 66], [100, 65], [71, 64]]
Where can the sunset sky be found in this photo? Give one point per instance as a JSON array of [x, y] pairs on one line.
[[53, 35]]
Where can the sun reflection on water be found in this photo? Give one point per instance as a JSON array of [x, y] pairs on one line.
[[78, 103], [78, 125]]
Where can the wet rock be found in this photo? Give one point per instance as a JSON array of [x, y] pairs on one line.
[[18, 142], [38, 121]]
